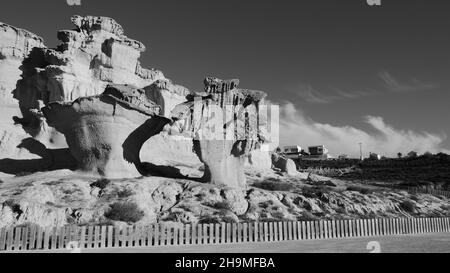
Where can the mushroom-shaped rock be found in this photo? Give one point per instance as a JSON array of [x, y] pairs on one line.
[[105, 132], [224, 124]]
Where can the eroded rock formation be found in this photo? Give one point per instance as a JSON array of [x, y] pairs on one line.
[[105, 133], [18, 152], [223, 121], [94, 54]]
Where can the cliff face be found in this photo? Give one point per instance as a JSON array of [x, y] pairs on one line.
[[16, 45]]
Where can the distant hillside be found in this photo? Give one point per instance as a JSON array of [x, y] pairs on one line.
[[421, 171]]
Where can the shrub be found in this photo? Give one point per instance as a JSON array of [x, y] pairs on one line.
[[125, 193], [408, 206], [307, 216], [125, 212], [274, 186], [101, 183], [315, 192], [221, 206], [14, 207], [361, 190]]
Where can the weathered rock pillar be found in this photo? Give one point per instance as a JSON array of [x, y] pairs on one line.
[[223, 121]]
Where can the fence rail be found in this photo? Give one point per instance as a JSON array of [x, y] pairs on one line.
[[428, 191], [97, 237]]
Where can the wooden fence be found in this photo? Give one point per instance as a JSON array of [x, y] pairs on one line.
[[96, 237], [428, 191]]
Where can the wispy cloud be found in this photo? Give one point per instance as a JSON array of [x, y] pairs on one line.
[[311, 95], [297, 128], [389, 83], [393, 84], [308, 94]]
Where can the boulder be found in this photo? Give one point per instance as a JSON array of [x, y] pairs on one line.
[[284, 164]]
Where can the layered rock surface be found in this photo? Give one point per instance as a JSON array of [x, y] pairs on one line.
[[105, 133], [60, 198], [16, 47]]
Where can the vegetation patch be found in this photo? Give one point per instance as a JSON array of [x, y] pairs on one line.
[[360, 189], [101, 183], [408, 206], [273, 186], [125, 212]]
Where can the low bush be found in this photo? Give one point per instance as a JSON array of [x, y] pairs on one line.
[[308, 216], [125, 193], [274, 186], [408, 206], [125, 212], [361, 190], [101, 183]]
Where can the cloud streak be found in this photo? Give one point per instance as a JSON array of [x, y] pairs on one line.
[[297, 129], [311, 95], [388, 82]]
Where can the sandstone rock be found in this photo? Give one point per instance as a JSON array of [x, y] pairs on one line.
[[259, 160], [224, 125], [105, 133], [235, 200], [167, 95], [15, 46], [90, 57], [286, 165]]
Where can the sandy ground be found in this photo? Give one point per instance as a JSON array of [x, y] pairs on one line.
[[430, 243]]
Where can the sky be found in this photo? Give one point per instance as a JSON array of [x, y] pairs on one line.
[[343, 72]]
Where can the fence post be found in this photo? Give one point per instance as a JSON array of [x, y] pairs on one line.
[[315, 229], [217, 233], [194, 234], [199, 234], [308, 230], [239, 232], [384, 226], [222, 233], [3, 239], [339, 229], [304, 237], [325, 229], [233, 232], [271, 231], [39, 237], [228, 229], [188, 234], [24, 241], [333, 229], [250, 232], [276, 237], [54, 238], [321, 229], [261, 231], [280, 231], [351, 227], [419, 225]]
